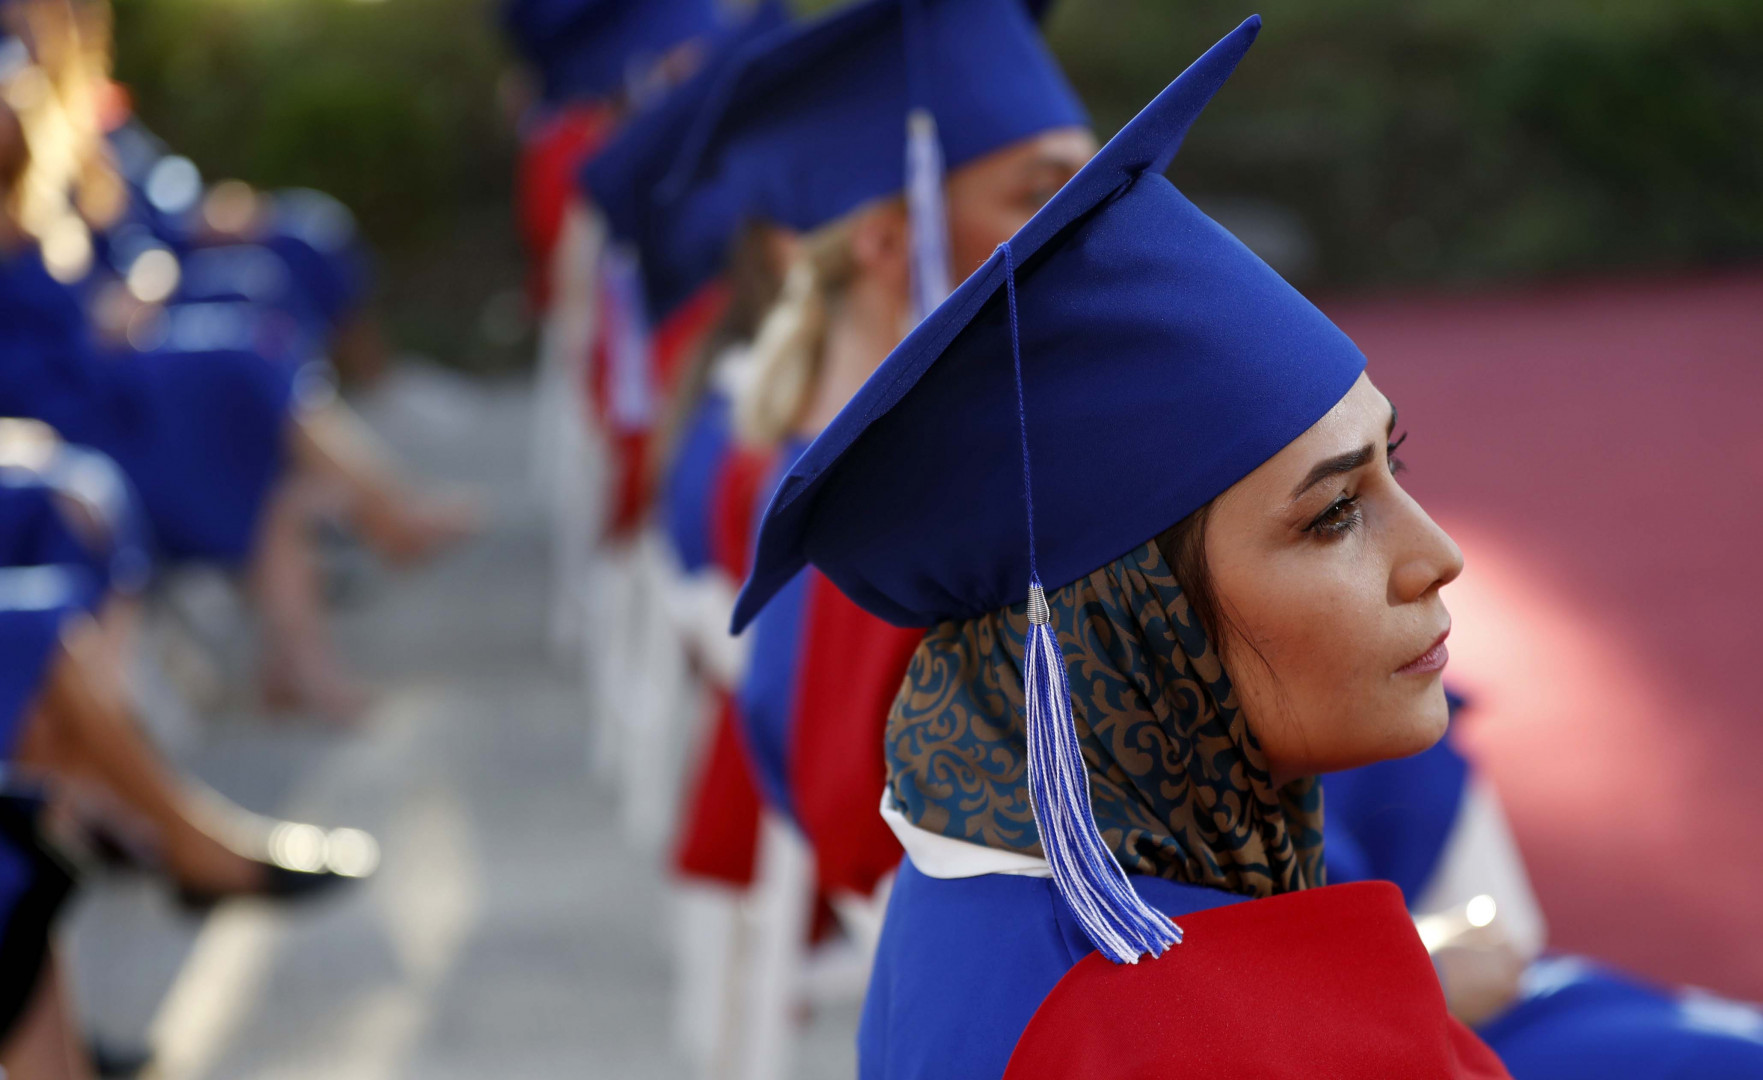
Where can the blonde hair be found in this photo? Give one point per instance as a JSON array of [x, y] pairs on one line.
[[792, 337], [68, 178]]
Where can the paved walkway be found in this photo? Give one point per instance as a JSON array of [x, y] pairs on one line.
[[509, 933]]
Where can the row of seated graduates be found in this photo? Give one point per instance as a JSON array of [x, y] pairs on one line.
[[1426, 824], [167, 399]]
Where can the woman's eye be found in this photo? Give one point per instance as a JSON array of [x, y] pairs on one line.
[[1039, 196], [1341, 517], [1396, 464]]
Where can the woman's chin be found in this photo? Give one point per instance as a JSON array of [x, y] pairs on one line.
[[1429, 716], [1411, 726], [1377, 729]]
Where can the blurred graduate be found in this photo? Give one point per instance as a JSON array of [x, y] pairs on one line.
[[831, 133], [235, 447]]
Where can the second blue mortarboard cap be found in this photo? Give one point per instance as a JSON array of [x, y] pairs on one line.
[[681, 241], [810, 123], [593, 48]]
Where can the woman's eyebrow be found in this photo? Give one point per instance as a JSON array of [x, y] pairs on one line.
[[1335, 466]]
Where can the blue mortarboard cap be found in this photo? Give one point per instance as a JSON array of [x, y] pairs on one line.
[[590, 48], [1156, 362], [682, 241], [13, 53], [810, 123], [1162, 362]]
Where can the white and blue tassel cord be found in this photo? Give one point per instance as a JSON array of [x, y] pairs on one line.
[[632, 397], [925, 210], [1120, 924]]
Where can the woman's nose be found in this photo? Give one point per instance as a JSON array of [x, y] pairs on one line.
[[1429, 558]]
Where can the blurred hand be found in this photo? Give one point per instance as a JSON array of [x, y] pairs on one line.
[[1479, 970], [115, 312]]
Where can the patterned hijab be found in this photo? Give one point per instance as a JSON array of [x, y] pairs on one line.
[[1178, 784]]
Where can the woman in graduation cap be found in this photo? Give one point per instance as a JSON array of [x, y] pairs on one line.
[[1141, 492], [900, 141], [590, 61]]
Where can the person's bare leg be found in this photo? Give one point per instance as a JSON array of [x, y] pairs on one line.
[[121, 622], [299, 668], [359, 352], [46, 1045], [81, 727], [332, 445]]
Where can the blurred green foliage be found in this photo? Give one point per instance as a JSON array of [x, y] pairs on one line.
[[1463, 139], [1417, 140], [392, 106]]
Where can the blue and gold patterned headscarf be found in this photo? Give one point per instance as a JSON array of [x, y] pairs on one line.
[[1178, 783]]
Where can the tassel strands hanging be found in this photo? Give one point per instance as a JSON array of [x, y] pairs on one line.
[[1120, 924]]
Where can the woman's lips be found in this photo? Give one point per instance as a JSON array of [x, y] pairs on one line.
[[1433, 659]]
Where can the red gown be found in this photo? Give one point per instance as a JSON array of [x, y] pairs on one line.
[[1329, 982]]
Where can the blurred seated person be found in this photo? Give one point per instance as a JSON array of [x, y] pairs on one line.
[[233, 453], [1433, 827], [76, 771]]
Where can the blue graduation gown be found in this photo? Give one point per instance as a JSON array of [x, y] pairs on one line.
[[202, 435], [963, 964], [35, 530], [986, 977], [689, 494], [768, 699], [822, 675]]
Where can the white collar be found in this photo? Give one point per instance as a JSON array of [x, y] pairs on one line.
[[939, 856]]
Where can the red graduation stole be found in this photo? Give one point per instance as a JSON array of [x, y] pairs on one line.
[[718, 835], [545, 182], [1329, 982], [850, 670], [671, 343]]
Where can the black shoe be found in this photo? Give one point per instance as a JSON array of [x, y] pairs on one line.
[[122, 1062], [279, 883]]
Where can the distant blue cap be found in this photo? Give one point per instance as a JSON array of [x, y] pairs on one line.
[[13, 53], [682, 242], [1161, 362], [811, 123], [592, 48]]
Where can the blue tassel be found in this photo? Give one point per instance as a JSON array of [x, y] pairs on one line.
[[925, 208], [1121, 925], [631, 396], [926, 213]]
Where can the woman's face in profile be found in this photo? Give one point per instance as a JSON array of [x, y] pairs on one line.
[[992, 197], [1327, 576]]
